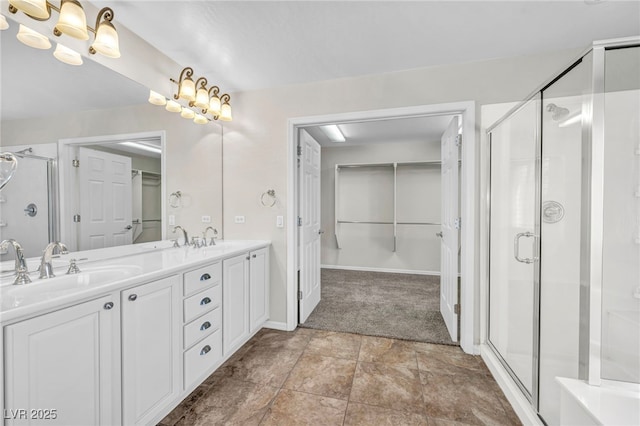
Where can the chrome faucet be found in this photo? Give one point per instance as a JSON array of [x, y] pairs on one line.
[[46, 269], [184, 234], [22, 273], [204, 236]]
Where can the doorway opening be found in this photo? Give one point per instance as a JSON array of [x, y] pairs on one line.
[[373, 220]]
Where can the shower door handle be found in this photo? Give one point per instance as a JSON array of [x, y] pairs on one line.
[[516, 247]]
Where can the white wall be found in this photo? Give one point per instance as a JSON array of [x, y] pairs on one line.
[[193, 152], [367, 194], [255, 147]]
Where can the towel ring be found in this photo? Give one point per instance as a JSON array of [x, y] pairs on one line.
[[174, 199], [268, 199]]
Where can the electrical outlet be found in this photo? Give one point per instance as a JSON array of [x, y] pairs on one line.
[[172, 219], [206, 219], [239, 219], [279, 221]]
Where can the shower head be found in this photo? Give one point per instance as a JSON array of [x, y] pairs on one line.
[[557, 113]]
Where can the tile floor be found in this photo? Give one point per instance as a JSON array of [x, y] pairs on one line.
[[327, 378]]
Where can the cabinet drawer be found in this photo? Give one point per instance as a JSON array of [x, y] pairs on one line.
[[202, 278], [202, 327], [202, 302], [202, 357]]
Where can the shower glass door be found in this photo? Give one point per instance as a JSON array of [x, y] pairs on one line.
[[513, 263]]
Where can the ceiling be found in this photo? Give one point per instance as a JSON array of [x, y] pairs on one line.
[[246, 45]]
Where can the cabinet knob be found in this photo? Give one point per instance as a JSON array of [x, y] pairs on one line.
[[205, 350], [133, 297], [205, 277], [108, 305], [254, 256], [248, 257], [205, 325], [205, 301]]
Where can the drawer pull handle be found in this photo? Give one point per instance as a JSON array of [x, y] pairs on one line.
[[253, 255], [205, 325], [205, 277], [133, 297], [205, 350], [205, 301], [108, 305]]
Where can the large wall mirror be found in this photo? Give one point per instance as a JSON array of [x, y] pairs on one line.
[[131, 157]]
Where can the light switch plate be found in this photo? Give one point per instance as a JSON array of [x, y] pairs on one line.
[[239, 219], [279, 221], [206, 219], [172, 219]]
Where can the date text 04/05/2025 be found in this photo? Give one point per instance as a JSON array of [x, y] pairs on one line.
[[30, 414]]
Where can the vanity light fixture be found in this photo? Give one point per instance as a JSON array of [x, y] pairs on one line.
[[173, 106], [3, 23], [186, 86], [33, 38], [66, 55], [156, 98], [202, 95], [72, 21], [214, 102], [187, 113], [200, 119], [225, 109]]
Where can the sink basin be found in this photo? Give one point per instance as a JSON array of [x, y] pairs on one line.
[[43, 289], [163, 244]]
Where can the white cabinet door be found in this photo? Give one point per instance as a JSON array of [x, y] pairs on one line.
[[151, 349], [235, 302], [67, 362], [258, 288]]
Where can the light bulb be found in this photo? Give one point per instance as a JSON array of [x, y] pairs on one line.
[[66, 55], [187, 113], [202, 98], [187, 90], [173, 106], [214, 105], [200, 119], [106, 42], [156, 98], [35, 8], [225, 112], [32, 38], [72, 20], [3, 23]]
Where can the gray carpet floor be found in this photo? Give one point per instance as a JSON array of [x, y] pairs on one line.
[[400, 306]]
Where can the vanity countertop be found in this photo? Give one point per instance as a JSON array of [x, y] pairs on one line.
[[107, 270]]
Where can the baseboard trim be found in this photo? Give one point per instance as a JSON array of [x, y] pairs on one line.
[[520, 404], [276, 325], [369, 269]]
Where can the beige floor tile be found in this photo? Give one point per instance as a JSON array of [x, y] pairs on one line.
[[465, 398], [387, 386], [174, 416], [443, 359], [338, 345], [264, 366], [276, 339], [298, 408], [231, 402], [321, 375], [387, 351], [361, 414]]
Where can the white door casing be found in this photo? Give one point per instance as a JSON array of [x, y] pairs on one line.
[[450, 228], [310, 231], [136, 204], [104, 183]]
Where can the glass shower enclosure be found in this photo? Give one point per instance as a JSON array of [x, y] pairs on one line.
[[564, 229]]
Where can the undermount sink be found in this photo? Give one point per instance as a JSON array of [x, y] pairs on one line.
[[15, 295]]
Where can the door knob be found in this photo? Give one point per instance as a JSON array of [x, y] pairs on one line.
[[320, 231], [128, 227], [439, 234]]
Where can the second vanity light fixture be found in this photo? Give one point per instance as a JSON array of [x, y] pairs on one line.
[[72, 21], [197, 95]]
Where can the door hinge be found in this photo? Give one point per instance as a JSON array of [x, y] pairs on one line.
[[457, 223], [299, 221], [456, 309], [76, 218], [75, 162], [299, 150], [299, 295], [458, 140]]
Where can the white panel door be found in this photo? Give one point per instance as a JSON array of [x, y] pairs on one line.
[[235, 302], [450, 230], [104, 182], [310, 231], [65, 366], [151, 349], [258, 288]]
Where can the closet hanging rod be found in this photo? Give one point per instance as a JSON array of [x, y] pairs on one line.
[[353, 166], [366, 222], [419, 223]]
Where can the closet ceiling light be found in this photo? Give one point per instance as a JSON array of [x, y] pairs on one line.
[[33, 38], [72, 20], [3, 23], [156, 98], [333, 133], [142, 146], [66, 55], [37, 9]]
